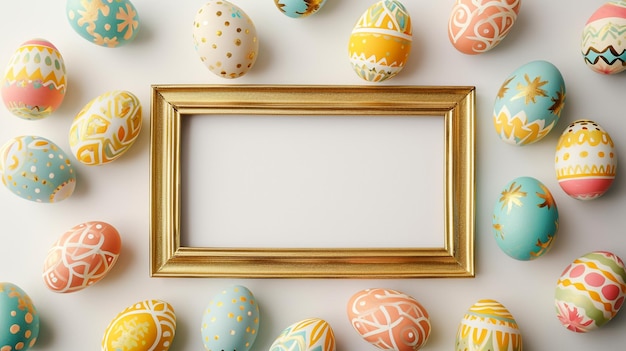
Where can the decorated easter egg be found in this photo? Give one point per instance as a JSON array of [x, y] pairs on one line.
[[231, 320], [529, 103], [380, 41], [35, 80], [487, 326], [389, 319], [36, 169], [225, 38], [590, 291], [106, 127], [585, 160], [475, 27], [525, 219], [299, 8], [81, 257], [311, 334], [604, 38], [147, 325], [106, 23], [19, 320]]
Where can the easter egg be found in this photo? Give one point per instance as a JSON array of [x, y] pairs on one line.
[[389, 319], [147, 325], [19, 320], [231, 320], [225, 38], [106, 127], [81, 257], [380, 41], [590, 291], [585, 160], [525, 219], [36, 169], [486, 326], [35, 80], [475, 27], [529, 103], [105, 23], [311, 334], [604, 39], [299, 8]]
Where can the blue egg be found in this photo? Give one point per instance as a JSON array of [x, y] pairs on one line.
[[231, 320], [525, 219], [299, 8], [106, 23], [529, 103], [19, 320]]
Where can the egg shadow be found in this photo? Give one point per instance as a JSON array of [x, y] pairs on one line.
[[46, 333]]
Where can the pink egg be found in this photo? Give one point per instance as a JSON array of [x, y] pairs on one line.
[[389, 319], [81, 257]]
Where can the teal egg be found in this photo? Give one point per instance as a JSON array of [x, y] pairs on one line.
[[525, 219], [105, 23], [19, 320], [231, 320], [529, 103], [299, 8], [36, 169]]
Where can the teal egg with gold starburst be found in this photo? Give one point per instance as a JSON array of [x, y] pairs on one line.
[[109, 24], [525, 219]]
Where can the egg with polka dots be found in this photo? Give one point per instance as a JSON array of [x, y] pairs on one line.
[[225, 38], [36, 169], [19, 320], [231, 320]]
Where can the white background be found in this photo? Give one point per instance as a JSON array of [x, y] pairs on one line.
[[310, 51]]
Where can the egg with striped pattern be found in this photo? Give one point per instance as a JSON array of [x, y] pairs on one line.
[[486, 326], [310, 334], [603, 43]]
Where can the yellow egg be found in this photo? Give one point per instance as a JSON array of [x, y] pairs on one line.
[[380, 42]]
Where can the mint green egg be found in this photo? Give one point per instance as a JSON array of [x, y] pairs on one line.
[[106, 23], [19, 320]]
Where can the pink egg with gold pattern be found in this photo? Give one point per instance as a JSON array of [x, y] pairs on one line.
[[81, 257], [389, 319]]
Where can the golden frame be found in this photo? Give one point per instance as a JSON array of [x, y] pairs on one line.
[[171, 103]]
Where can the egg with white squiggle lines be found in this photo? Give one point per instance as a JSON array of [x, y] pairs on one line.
[[306, 335]]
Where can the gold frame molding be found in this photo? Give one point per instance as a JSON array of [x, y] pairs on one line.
[[171, 103]]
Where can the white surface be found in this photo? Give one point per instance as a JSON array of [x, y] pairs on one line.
[[310, 51]]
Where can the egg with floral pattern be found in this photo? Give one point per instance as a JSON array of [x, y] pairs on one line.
[[529, 103], [487, 326], [299, 8], [310, 334], [389, 319], [105, 23], [36, 169], [604, 38], [380, 42], [19, 320], [35, 80], [231, 320], [590, 291], [148, 325], [525, 219]]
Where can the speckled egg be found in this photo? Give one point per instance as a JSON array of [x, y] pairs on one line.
[[488, 326], [35, 80], [225, 38], [147, 325], [380, 42], [19, 320], [590, 291], [604, 39], [529, 103], [36, 169], [585, 160], [81, 257], [475, 27], [105, 23], [106, 128], [525, 219], [311, 334], [299, 8], [231, 320], [389, 319]]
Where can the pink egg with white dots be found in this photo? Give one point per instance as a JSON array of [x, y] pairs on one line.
[[590, 291]]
